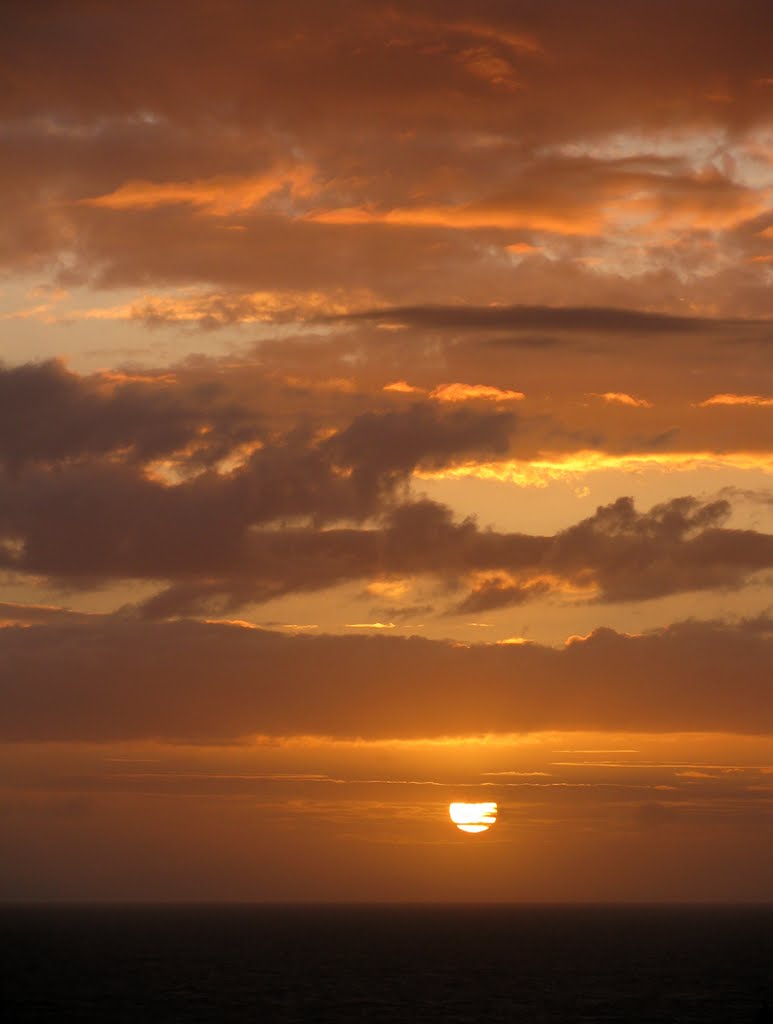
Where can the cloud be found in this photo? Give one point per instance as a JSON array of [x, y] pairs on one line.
[[730, 399], [35, 614], [219, 166], [150, 159], [49, 414], [370, 625], [538, 471], [228, 485], [207, 682], [621, 398], [459, 392], [386, 73], [380, 445], [218, 196], [112, 518], [564, 318], [272, 526], [402, 387], [616, 555], [580, 196]]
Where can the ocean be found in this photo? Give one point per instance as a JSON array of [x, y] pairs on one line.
[[248, 962]]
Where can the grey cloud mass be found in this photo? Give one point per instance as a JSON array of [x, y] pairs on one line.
[[204, 682]]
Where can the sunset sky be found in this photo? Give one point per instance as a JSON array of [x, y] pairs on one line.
[[386, 420]]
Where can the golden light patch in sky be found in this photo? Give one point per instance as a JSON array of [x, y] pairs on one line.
[[540, 472], [621, 398], [403, 387], [392, 589], [458, 392], [471, 216], [473, 817], [219, 195], [370, 625], [727, 399]]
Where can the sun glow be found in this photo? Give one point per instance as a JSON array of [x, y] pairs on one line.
[[473, 817]]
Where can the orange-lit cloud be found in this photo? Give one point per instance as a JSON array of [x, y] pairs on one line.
[[237, 623], [210, 309], [342, 385], [392, 589], [540, 471], [493, 589], [522, 248], [469, 392], [219, 196], [621, 398], [472, 216], [730, 399], [123, 377], [518, 41], [458, 392], [370, 625], [402, 387]]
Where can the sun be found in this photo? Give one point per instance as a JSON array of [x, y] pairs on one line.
[[473, 817]]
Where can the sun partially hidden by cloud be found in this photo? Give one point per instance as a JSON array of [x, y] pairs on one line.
[[473, 817]]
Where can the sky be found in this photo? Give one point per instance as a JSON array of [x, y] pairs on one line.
[[386, 420]]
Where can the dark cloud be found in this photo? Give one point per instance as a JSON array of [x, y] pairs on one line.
[[529, 318], [108, 517], [186, 680], [619, 554], [49, 414], [754, 497], [385, 445], [127, 475], [35, 614], [224, 539], [348, 59], [679, 544]]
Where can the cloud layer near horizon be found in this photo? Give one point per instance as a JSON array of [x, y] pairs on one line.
[[189, 681]]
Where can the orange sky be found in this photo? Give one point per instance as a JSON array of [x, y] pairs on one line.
[[386, 419]]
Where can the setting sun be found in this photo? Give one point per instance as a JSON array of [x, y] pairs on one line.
[[473, 817]]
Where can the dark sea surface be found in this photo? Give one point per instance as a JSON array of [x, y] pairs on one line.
[[385, 963]]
